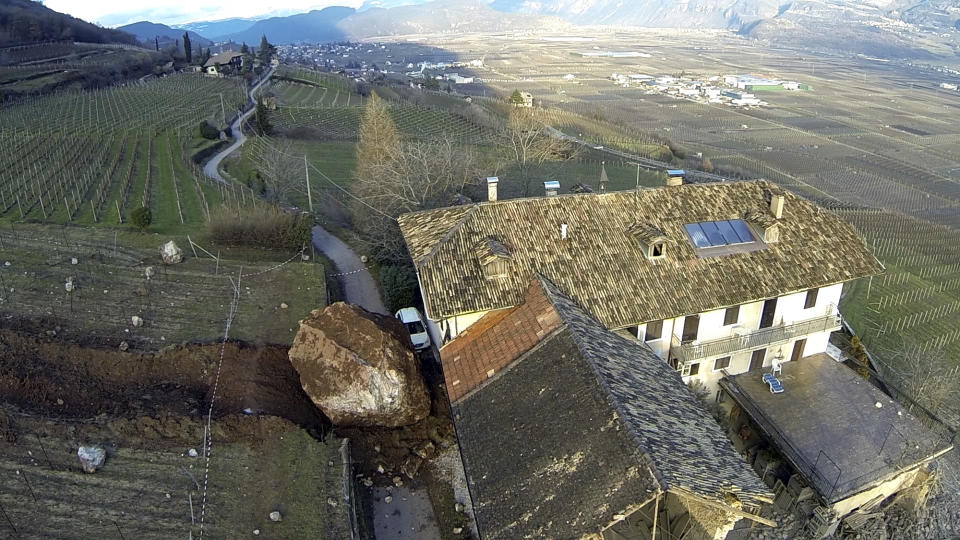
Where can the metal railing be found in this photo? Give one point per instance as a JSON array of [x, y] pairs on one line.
[[764, 337]]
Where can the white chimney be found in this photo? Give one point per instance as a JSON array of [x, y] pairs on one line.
[[492, 182], [551, 187], [563, 231], [776, 205]]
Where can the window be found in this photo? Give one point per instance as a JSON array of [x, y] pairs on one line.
[[731, 316], [657, 250], [721, 363], [709, 234], [691, 324], [811, 299], [654, 331], [694, 369], [497, 268]]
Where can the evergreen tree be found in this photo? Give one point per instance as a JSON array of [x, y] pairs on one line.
[[266, 50], [244, 49], [187, 49], [261, 124], [516, 98]]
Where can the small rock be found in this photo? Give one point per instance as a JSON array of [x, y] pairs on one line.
[[368, 482], [283, 305], [411, 466], [171, 253], [6, 263], [192, 452], [330, 463], [275, 516], [332, 502], [376, 447], [69, 285], [305, 257], [73, 260], [256, 532], [388, 499], [148, 271], [168, 495], [457, 530], [124, 346], [380, 469], [59, 401], [91, 458], [397, 481], [136, 321], [459, 508], [363, 259]]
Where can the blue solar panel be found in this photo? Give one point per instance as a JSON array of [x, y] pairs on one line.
[[719, 233]]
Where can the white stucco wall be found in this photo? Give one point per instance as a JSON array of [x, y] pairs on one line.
[[457, 325], [790, 309]]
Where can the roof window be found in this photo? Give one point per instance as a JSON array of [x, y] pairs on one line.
[[708, 234]]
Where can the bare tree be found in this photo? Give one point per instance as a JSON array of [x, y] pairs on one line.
[[527, 143], [282, 172]]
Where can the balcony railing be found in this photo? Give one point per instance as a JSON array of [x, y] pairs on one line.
[[765, 337]]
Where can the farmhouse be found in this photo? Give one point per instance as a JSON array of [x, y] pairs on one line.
[[730, 286], [216, 63]]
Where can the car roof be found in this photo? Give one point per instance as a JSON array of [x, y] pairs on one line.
[[408, 314]]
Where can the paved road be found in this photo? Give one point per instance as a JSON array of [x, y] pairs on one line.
[[647, 163], [212, 168], [358, 285]]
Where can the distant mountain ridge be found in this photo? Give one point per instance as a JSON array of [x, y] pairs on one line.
[[147, 31], [26, 21]]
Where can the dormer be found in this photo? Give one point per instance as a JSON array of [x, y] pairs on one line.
[[494, 257], [651, 238], [765, 224]]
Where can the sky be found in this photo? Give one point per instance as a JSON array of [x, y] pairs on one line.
[[119, 12]]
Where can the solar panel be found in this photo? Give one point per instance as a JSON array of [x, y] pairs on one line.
[[708, 234]]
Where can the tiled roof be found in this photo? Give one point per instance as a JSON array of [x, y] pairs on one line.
[[603, 267], [544, 454], [686, 446]]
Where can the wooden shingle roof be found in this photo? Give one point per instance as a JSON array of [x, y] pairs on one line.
[[603, 267]]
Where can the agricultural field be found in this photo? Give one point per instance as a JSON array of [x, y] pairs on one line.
[[183, 303], [91, 157]]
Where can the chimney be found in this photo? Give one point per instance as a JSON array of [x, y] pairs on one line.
[[776, 205], [492, 182], [675, 177], [563, 231], [602, 184], [551, 187]]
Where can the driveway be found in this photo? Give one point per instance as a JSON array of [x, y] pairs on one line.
[[212, 168], [355, 280]]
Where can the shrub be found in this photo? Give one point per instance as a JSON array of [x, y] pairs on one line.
[[399, 284], [266, 227], [208, 131], [141, 217]]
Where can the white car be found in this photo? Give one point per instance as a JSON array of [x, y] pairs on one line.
[[410, 317]]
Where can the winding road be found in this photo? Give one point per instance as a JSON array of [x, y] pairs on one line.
[[355, 280], [212, 167]]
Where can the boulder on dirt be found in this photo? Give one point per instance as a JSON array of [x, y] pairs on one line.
[[136, 321], [358, 367], [91, 458], [275, 516], [171, 253]]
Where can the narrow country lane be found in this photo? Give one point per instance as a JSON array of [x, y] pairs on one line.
[[356, 281]]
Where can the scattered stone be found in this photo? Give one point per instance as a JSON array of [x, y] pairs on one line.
[[256, 532], [171, 253], [376, 448], [330, 463], [73, 260], [168, 495], [6, 263], [388, 499], [459, 508], [192, 452], [363, 259], [124, 346], [397, 481], [411, 466], [283, 305], [136, 321], [69, 284], [380, 469], [304, 257], [358, 368], [427, 451], [59, 401], [457, 530], [332, 502], [275, 516], [368, 482], [91, 458], [148, 271]]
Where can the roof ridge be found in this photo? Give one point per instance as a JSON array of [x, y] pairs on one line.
[[426, 258]]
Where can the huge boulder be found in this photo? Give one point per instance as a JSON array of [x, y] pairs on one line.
[[171, 253], [358, 367]]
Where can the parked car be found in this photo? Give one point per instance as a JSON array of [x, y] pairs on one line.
[[411, 318]]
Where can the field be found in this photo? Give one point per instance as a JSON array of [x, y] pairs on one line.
[[92, 157], [188, 302]]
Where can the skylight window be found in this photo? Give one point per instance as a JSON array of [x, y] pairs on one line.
[[708, 234]]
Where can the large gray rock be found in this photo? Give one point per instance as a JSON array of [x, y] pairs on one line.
[[171, 253], [358, 367], [91, 458]]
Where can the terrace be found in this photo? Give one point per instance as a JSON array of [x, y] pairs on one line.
[[764, 337], [835, 428]]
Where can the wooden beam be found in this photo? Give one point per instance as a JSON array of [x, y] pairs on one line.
[[683, 493], [656, 511]]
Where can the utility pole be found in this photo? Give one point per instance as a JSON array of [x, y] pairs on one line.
[[223, 112], [306, 170]]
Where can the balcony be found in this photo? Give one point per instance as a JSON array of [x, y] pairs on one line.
[[765, 337]]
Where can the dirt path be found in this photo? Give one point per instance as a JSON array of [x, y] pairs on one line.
[[358, 285], [212, 167]]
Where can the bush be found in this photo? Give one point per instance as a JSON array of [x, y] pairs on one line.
[[208, 131], [141, 217], [399, 284], [265, 227]]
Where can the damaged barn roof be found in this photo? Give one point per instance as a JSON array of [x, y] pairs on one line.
[[604, 267], [583, 427]]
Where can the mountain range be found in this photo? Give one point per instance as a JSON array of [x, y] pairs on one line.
[[147, 32]]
